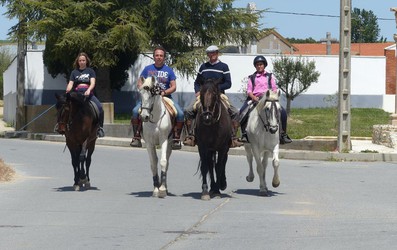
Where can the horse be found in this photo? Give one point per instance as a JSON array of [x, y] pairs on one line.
[[214, 134], [157, 130], [77, 118], [263, 130]]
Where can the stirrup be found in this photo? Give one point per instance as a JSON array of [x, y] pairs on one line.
[[176, 144], [136, 143], [101, 132]]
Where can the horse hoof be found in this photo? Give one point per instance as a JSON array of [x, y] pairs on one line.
[[276, 184], [216, 195], [263, 193], [162, 194], [205, 197], [249, 178], [87, 185], [76, 187], [155, 192]]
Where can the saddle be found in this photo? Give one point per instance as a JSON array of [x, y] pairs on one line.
[[95, 109], [169, 105]]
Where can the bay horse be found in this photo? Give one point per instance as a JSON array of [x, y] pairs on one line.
[[214, 134], [157, 130], [263, 130], [77, 117]]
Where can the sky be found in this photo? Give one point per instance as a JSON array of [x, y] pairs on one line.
[[303, 24]]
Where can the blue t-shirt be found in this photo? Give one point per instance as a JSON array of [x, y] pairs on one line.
[[163, 74]]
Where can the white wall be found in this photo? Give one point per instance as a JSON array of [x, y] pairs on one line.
[[367, 80]]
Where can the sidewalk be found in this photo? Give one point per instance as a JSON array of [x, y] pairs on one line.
[[362, 149]]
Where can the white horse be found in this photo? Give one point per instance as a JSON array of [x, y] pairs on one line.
[[263, 135], [157, 130]]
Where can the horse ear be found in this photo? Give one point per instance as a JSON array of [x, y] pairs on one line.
[[278, 92], [267, 93], [153, 80]]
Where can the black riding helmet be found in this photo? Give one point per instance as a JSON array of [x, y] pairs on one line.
[[260, 59]]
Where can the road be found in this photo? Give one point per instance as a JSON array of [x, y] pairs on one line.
[[319, 204]]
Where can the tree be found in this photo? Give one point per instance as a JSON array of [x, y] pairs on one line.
[[365, 28], [115, 32], [298, 40], [294, 76]]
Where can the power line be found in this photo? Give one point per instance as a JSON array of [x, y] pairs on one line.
[[316, 15]]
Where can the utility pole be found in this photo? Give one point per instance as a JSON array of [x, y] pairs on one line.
[[21, 54], [394, 116], [344, 114]]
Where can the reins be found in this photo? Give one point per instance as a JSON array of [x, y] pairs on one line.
[[265, 122]]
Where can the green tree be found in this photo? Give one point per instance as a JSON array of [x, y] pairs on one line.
[[294, 76], [5, 60], [115, 32], [298, 40], [364, 25]]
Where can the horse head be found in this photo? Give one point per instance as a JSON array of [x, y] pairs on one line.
[[269, 110], [148, 90], [210, 101]]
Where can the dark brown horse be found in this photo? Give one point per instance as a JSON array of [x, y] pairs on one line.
[[80, 124], [213, 133]]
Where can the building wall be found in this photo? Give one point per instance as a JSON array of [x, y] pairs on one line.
[[367, 84]]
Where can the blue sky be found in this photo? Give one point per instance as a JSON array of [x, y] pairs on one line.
[[297, 25]]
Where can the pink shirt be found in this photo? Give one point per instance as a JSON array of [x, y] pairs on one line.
[[261, 84]]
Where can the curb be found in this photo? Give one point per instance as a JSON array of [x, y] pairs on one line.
[[284, 153]]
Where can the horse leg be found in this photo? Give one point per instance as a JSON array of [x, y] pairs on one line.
[[214, 191], [249, 156], [88, 164], [263, 191], [165, 154], [276, 163], [82, 159], [204, 171], [260, 168], [221, 168], [75, 164], [151, 149]]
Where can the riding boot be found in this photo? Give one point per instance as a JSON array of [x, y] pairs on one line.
[[176, 144], [284, 138], [101, 132], [243, 138], [190, 140], [137, 127], [235, 143]]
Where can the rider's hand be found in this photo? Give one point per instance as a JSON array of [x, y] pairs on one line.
[[87, 92]]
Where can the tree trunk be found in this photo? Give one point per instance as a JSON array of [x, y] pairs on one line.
[[288, 108], [103, 90]]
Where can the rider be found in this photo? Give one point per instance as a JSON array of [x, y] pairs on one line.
[[262, 81], [82, 79], [213, 69], [167, 79]]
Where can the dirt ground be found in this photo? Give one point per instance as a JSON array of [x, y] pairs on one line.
[[6, 172]]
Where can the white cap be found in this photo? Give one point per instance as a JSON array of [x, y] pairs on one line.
[[212, 48]]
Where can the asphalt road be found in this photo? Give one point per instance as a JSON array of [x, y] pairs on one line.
[[319, 204]]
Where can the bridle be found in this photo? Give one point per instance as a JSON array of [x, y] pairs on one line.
[[155, 90], [268, 115], [208, 113]]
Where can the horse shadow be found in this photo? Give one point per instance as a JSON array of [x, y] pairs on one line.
[[146, 194], [255, 192], [71, 189], [197, 196]]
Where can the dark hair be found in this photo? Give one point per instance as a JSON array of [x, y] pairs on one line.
[[159, 48], [76, 62]]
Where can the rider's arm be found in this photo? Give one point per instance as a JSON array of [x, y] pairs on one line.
[[69, 86], [171, 89]]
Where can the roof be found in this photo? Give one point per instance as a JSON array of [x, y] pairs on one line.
[[267, 32], [363, 49]]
